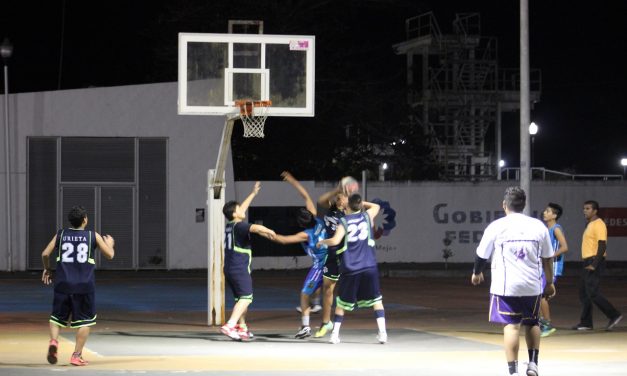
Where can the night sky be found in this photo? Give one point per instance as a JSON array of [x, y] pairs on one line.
[[580, 47]]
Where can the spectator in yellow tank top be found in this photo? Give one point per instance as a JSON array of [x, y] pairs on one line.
[[593, 253]]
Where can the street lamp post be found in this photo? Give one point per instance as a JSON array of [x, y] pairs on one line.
[[501, 165], [533, 130], [382, 167], [6, 50]]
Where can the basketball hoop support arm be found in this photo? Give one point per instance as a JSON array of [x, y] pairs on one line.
[[219, 177], [215, 231]]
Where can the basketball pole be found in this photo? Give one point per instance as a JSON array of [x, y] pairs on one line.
[[216, 182]]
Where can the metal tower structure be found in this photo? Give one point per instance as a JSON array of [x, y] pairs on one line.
[[458, 92]]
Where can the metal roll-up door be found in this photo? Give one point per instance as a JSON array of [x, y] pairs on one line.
[[116, 219]]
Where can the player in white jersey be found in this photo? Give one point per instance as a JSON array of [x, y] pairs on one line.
[[520, 249]]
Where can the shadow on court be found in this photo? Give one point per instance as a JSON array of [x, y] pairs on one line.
[[155, 323]]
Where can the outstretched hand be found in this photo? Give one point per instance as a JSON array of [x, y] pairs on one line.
[[256, 187], [287, 176]]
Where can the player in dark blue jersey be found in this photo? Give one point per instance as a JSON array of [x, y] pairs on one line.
[[313, 231], [237, 260], [359, 281], [335, 201], [74, 302]]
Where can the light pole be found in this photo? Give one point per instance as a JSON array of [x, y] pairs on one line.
[[6, 50], [382, 167], [533, 130], [501, 165], [623, 162]]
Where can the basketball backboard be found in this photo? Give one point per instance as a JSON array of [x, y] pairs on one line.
[[215, 70]]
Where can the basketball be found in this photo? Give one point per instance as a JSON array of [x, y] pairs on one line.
[[349, 185]]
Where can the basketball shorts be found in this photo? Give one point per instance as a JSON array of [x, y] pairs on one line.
[[313, 281], [359, 289], [331, 270], [241, 284], [73, 310], [515, 309]]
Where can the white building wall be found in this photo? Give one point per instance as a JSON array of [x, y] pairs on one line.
[[427, 212], [127, 111]]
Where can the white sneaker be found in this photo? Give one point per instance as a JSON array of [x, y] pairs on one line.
[[314, 309], [335, 339], [303, 332], [532, 369], [382, 337]]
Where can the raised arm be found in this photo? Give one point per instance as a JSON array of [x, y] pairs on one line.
[[105, 244], [325, 199], [246, 203], [309, 204], [372, 209]]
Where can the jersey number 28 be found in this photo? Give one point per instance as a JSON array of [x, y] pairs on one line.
[[68, 250]]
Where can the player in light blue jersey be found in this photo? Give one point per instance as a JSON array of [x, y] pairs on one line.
[[313, 231], [359, 275], [550, 215]]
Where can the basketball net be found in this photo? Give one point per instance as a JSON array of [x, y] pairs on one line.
[[253, 115]]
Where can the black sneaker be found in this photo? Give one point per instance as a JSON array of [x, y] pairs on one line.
[[613, 322], [581, 327]]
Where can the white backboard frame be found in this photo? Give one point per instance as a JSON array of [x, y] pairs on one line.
[[296, 42]]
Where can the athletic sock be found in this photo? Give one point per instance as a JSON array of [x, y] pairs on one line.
[[231, 323], [305, 320], [513, 367], [533, 355], [337, 323], [380, 315]]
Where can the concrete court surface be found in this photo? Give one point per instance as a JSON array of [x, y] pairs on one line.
[[154, 323]]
